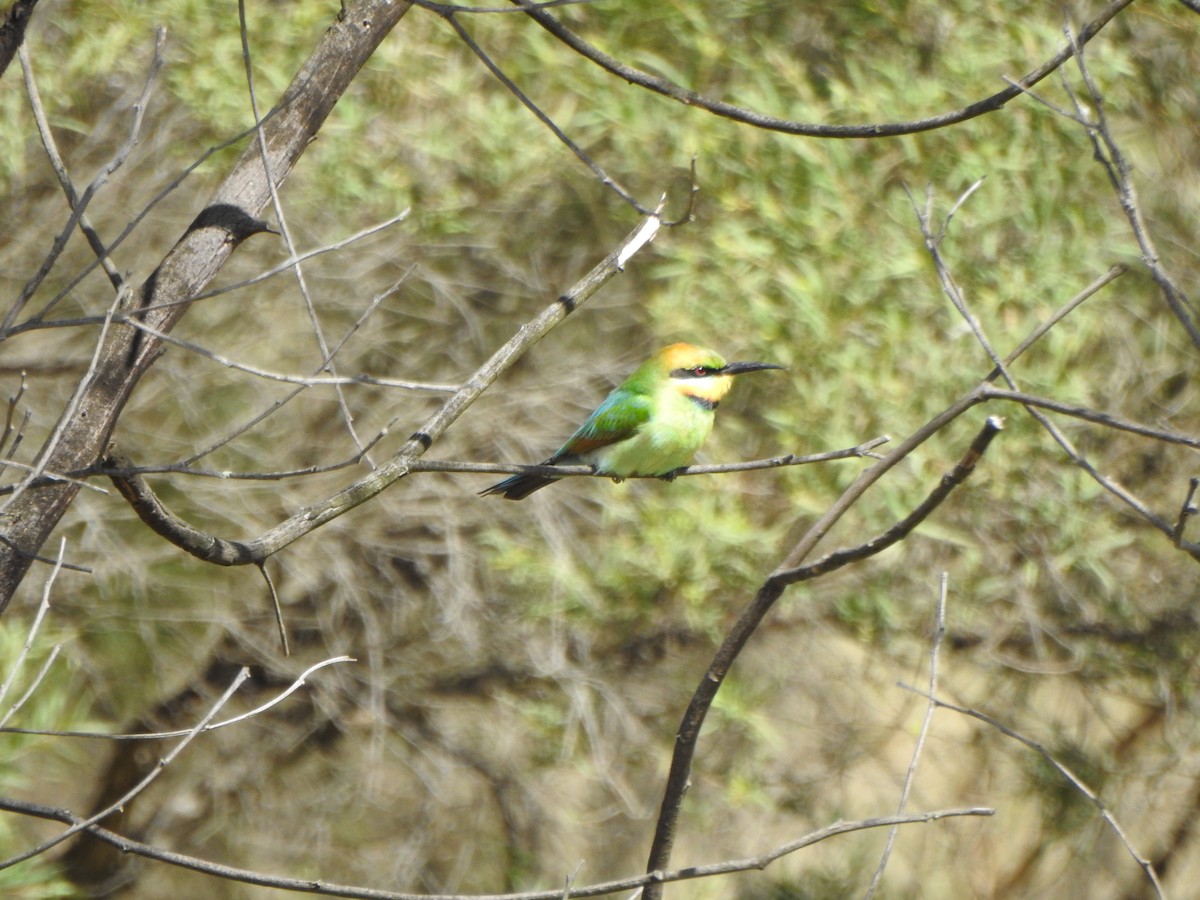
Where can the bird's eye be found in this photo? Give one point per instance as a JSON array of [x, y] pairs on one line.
[[699, 371]]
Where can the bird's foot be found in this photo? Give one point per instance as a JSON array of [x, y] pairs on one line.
[[672, 475]]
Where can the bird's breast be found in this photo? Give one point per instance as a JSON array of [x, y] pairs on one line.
[[667, 441]]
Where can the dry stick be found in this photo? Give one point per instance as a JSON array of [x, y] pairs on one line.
[[78, 204], [60, 167], [670, 89], [124, 467], [1066, 309], [296, 684], [10, 432], [987, 392], [447, 9], [116, 464], [949, 286], [1120, 174], [237, 553], [307, 255], [511, 87], [279, 404], [39, 320], [274, 594], [42, 463], [678, 780], [304, 380], [42, 609], [328, 889], [1186, 511], [298, 270], [939, 633], [83, 824], [43, 477], [1066, 773], [226, 221], [862, 450], [869, 476], [984, 390], [154, 513]]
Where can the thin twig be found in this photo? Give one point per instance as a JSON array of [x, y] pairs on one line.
[[939, 633], [328, 889], [39, 321], [34, 626], [236, 553], [286, 232], [305, 380], [1186, 511], [12, 434], [283, 401], [83, 824], [1090, 415], [670, 89], [303, 257], [1120, 174], [787, 574], [438, 465], [80, 204], [274, 594], [39, 468], [605, 179], [155, 514], [1061, 313], [1074, 780], [296, 684]]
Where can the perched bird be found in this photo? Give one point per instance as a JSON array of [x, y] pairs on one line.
[[652, 424]]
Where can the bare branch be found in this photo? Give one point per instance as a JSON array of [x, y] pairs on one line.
[[862, 450], [670, 89], [327, 889], [511, 87], [1187, 510], [1074, 780], [79, 825], [1108, 153], [1090, 415], [79, 204], [34, 626], [939, 634], [688, 735], [237, 553], [285, 231], [296, 684], [305, 380], [226, 221]]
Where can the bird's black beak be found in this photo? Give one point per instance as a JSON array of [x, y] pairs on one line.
[[737, 368]]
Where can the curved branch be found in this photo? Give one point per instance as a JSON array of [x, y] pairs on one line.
[[239, 553], [772, 589], [668, 88]]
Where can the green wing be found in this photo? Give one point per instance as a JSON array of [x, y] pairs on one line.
[[620, 416]]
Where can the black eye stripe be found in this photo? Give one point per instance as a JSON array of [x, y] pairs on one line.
[[695, 372]]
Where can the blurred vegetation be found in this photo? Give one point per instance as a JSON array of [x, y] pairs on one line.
[[522, 668]]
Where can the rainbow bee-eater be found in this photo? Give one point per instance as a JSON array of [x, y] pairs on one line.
[[653, 424]]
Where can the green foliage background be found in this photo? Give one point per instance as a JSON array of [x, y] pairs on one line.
[[522, 668]]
